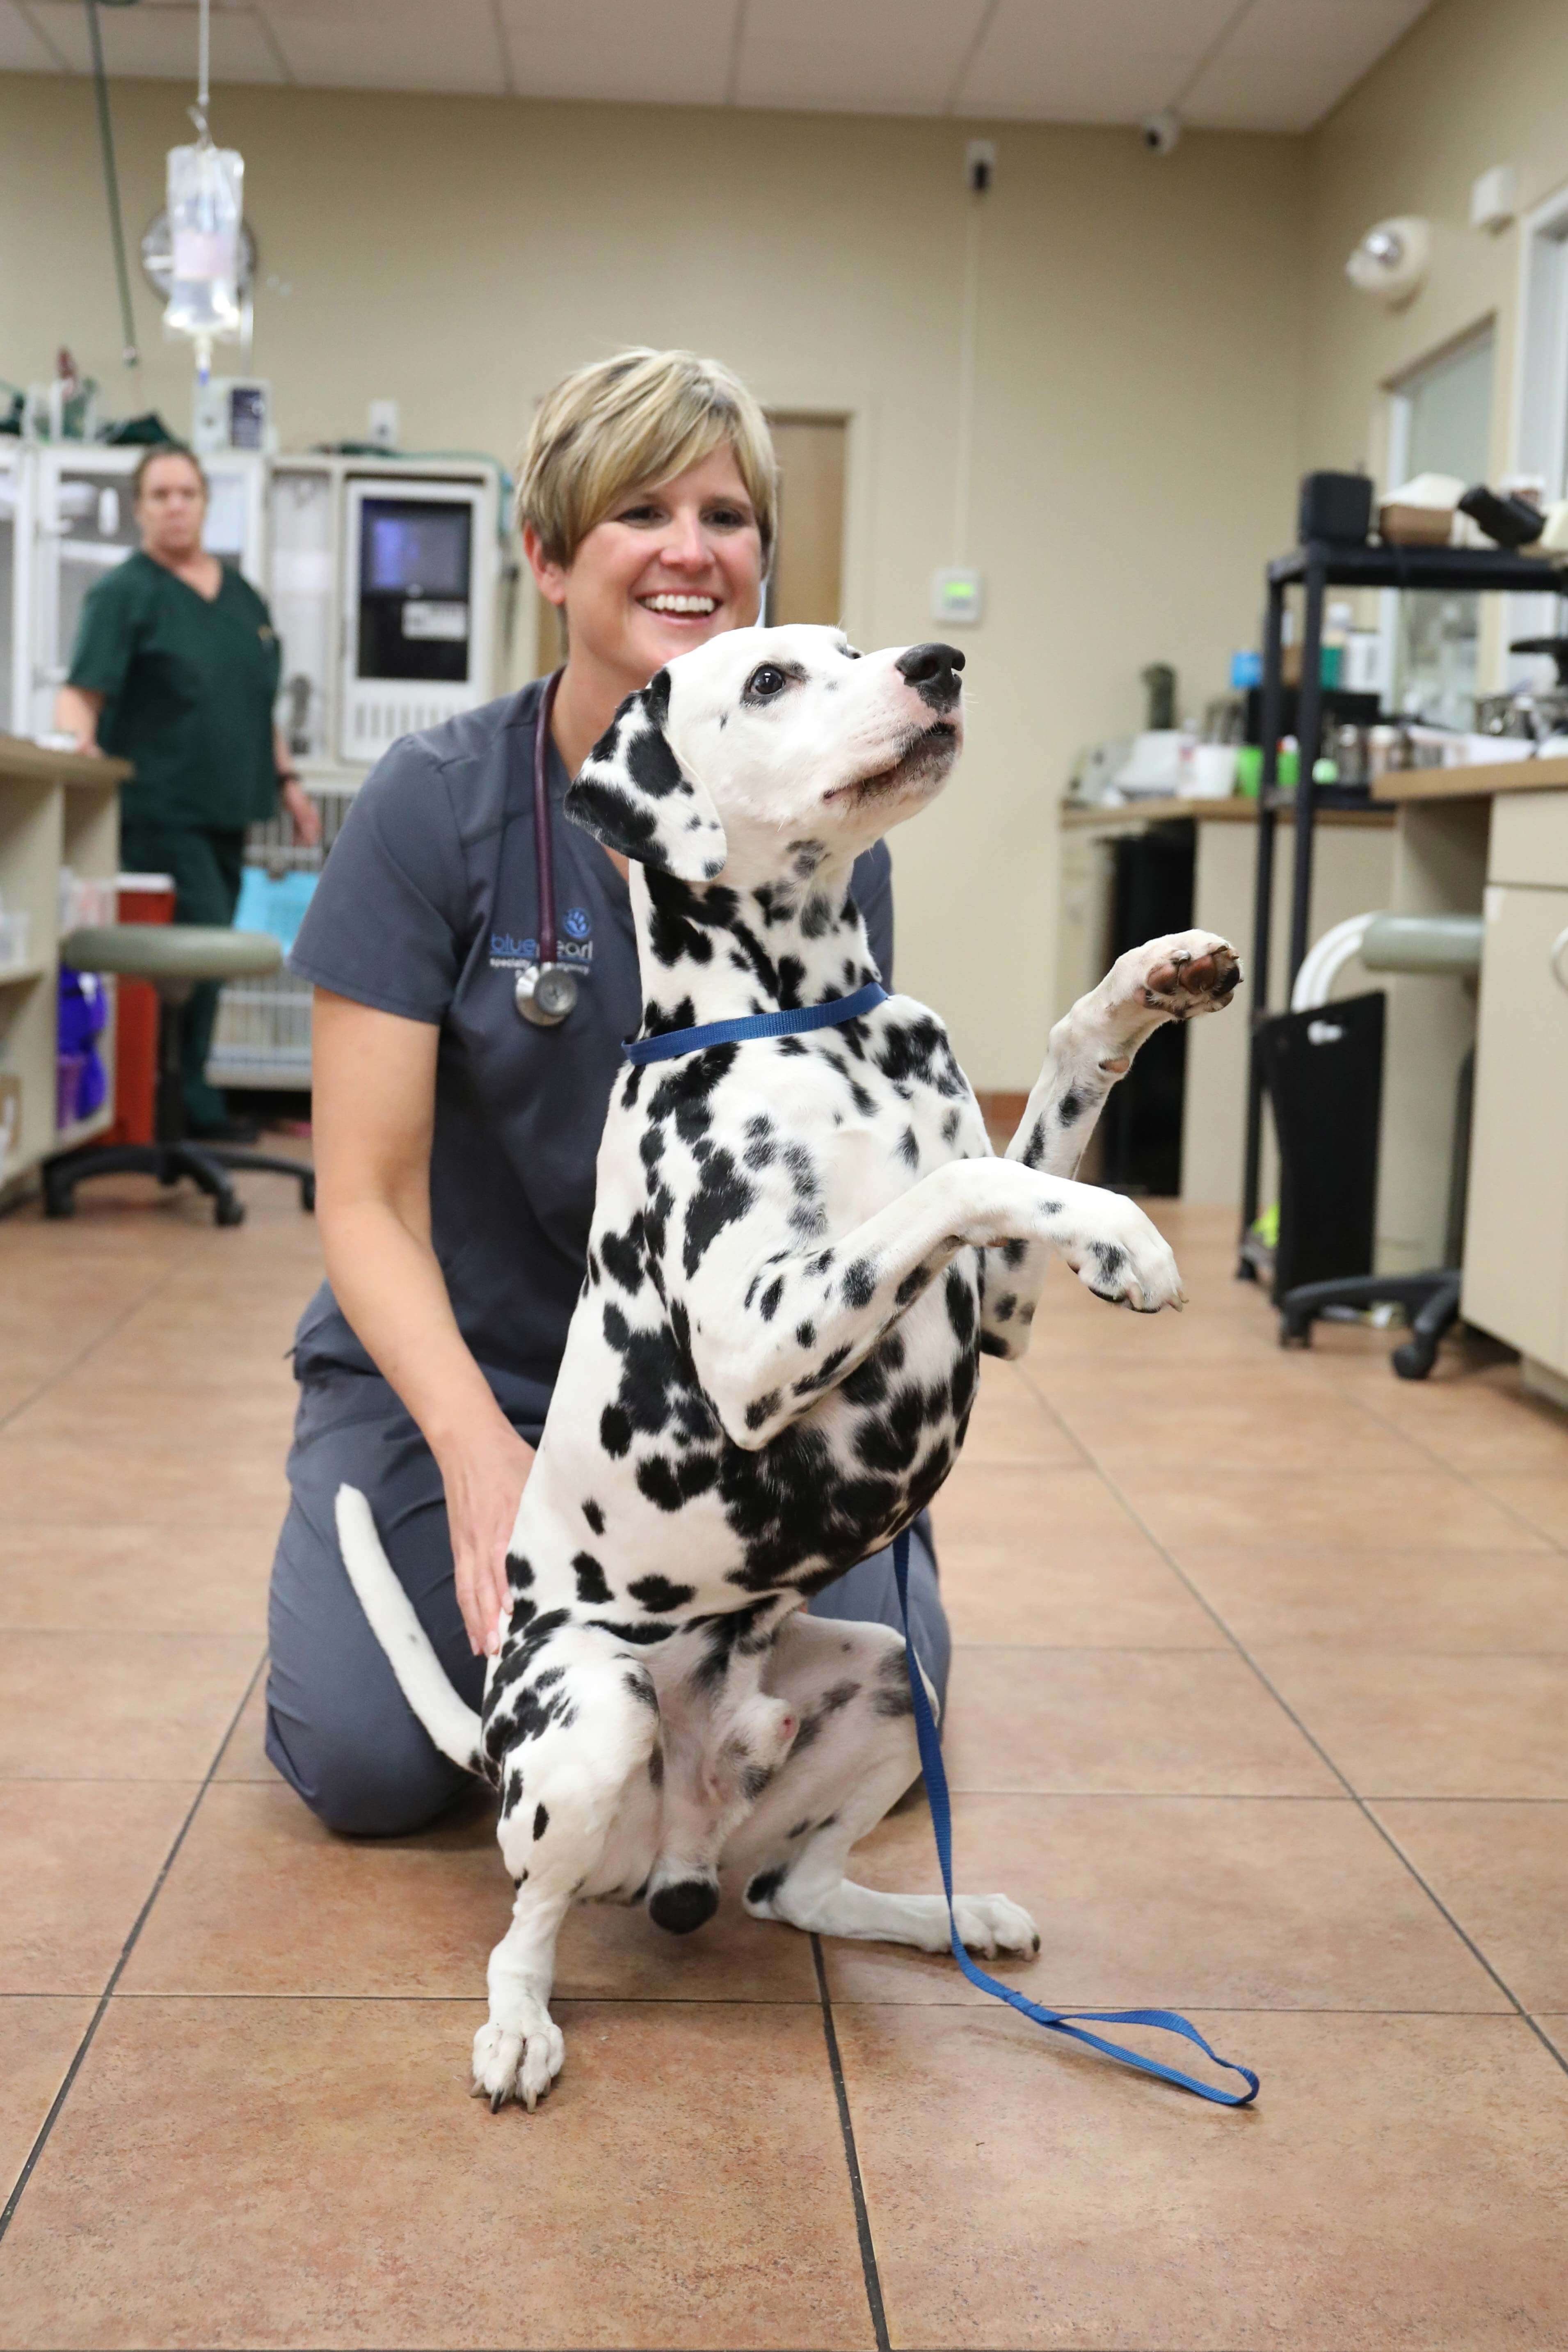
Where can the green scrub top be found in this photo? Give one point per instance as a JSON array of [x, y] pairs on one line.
[[188, 688]]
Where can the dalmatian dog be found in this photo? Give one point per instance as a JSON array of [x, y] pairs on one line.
[[801, 1247]]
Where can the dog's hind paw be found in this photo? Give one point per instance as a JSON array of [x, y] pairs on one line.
[[520, 2066], [989, 1924]]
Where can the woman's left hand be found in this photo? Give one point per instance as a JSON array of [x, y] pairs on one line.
[[303, 814]]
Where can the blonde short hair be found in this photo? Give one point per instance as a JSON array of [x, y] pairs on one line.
[[642, 416]]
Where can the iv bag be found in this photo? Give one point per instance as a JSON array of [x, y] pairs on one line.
[[205, 188]]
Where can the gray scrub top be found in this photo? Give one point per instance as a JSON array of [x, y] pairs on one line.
[[426, 906]]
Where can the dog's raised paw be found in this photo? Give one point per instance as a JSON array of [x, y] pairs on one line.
[[520, 2066], [1127, 1261], [1184, 975], [989, 1924]]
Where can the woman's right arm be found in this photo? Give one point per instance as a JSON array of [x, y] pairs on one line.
[[78, 712], [372, 1119]]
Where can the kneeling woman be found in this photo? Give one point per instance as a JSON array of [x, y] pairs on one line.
[[455, 1135]]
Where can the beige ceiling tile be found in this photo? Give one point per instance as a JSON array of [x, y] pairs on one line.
[[876, 56], [157, 41], [22, 49], [1289, 61], [675, 54], [1058, 60], [390, 44]]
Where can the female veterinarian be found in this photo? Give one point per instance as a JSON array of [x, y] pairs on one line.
[[176, 668], [455, 1135]]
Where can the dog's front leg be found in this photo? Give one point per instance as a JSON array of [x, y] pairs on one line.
[[1092, 1047], [1089, 1049], [770, 1340], [519, 2052]]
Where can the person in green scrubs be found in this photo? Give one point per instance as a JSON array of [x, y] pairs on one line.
[[176, 669]]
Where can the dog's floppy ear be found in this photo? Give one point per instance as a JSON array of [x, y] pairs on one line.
[[633, 793]]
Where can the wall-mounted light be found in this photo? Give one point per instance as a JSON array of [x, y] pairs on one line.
[[1392, 260]]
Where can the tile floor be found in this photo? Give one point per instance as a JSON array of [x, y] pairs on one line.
[[1260, 1704]]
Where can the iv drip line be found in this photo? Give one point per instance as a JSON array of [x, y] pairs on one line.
[[130, 352]]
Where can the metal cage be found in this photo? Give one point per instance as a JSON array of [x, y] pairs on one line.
[[262, 1034]]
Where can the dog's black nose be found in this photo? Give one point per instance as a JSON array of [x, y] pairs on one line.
[[932, 672]]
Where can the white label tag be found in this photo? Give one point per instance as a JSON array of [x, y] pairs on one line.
[[425, 620]]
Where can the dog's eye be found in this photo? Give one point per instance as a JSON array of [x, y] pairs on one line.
[[764, 683]]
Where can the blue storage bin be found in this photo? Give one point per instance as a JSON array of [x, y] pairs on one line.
[[274, 903]]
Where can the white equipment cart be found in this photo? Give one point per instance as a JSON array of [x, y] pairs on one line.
[[384, 576]]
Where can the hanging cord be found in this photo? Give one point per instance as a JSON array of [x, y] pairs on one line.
[[967, 332], [131, 355], [198, 113]]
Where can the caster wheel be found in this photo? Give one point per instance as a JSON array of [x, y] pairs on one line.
[[307, 1195], [1414, 1361], [229, 1212], [60, 1204]]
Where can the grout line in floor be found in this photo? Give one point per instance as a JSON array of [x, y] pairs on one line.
[[1209, 1649], [101, 2011], [857, 2190], [478, 1999], [1451, 1469], [1363, 1804], [1346, 1796], [1086, 2001], [76, 1361]]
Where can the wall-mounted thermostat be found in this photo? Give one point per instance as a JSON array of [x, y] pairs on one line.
[[957, 598]]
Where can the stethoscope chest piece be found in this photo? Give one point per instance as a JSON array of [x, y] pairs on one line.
[[545, 993]]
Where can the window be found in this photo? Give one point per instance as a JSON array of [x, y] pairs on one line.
[[1440, 422]]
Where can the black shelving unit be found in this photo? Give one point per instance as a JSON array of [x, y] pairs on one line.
[[1315, 567]]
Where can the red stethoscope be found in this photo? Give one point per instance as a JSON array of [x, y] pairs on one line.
[[545, 991]]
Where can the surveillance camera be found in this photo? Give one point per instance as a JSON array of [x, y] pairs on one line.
[[1160, 132]]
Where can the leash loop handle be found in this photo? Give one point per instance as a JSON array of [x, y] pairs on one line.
[[1068, 2021]]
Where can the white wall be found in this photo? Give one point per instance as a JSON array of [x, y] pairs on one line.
[[1136, 421], [1473, 83]]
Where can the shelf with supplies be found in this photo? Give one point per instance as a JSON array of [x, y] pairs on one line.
[[57, 809], [1314, 568]]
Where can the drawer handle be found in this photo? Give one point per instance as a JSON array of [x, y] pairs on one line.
[[1557, 957]]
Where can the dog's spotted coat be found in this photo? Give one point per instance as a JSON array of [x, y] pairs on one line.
[[800, 1248]]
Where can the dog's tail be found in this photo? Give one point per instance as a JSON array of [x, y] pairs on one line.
[[454, 1727]]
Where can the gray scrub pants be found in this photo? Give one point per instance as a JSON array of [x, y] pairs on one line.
[[337, 1727]]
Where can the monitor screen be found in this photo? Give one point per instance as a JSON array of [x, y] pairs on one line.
[[414, 547]]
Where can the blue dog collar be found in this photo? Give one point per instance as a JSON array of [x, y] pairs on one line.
[[832, 1015]]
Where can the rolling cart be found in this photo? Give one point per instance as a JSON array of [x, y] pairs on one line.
[[1315, 567]]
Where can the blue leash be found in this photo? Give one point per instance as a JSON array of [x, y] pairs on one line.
[[831, 1015], [1057, 2021]]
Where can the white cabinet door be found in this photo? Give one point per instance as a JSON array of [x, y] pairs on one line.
[[1516, 1234]]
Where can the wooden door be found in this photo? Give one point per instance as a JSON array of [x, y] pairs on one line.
[[807, 581]]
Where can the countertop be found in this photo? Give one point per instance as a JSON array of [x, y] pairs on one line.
[[30, 761], [1473, 783], [1236, 810]]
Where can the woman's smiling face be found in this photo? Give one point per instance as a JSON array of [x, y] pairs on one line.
[[669, 567]]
